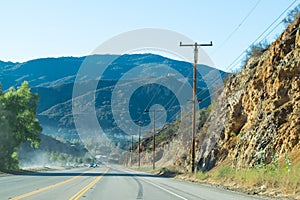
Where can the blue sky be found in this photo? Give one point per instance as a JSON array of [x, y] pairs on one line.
[[34, 29]]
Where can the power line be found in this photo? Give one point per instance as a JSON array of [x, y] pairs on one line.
[[237, 28], [280, 42], [231, 65], [238, 58]]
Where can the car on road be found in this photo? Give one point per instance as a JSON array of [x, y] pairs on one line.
[[92, 165]]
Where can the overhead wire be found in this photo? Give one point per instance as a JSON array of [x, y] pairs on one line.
[[267, 29], [238, 58], [281, 42], [237, 28], [230, 66], [230, 35], [257, 39]]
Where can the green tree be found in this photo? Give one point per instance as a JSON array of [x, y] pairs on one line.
[[18, 123]]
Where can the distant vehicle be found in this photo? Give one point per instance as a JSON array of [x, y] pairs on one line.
[[92, 165]]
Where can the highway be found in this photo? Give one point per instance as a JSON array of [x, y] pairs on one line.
[[107, 182]]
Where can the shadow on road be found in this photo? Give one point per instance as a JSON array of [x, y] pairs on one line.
[[50, 174]]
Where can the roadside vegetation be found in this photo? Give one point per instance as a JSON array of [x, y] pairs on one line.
[[53, 153], [21, 143], [280, 177], [257, 49], [18, 123], [292, 15]]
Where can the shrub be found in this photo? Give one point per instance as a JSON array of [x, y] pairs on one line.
[[292, 15], [255, 50]]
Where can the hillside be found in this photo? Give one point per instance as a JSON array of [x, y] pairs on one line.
[[53, 79], [249, 138], [259, 108], [255, 145], [51, 152]]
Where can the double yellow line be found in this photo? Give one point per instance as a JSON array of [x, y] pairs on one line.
[[89, 186], [76, 196]]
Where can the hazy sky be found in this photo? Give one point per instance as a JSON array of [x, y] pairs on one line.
[[33, 28]]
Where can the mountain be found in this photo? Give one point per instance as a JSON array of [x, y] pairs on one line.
[[40, 72], [161, 80]]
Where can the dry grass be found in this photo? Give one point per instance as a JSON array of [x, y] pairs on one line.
[[281, 180]]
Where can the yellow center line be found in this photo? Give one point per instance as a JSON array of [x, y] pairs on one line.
[[47, 187], [89, 186]]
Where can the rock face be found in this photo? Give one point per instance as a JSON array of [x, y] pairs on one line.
[[258, 113]]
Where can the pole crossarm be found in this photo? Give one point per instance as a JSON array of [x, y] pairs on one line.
[[154, 110], [196, 44], [197, 100]]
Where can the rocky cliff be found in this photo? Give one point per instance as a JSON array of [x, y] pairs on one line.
[[257, 115]]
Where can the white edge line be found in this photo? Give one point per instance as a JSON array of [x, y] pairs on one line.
[[158, 186], [177, 195]]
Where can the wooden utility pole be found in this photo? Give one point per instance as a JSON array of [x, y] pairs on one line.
[[131, 151], [139, 141], [153, 150], [139, 147], [196, 45], [127, 152]]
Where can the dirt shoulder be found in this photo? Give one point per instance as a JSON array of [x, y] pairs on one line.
[[230, 183]]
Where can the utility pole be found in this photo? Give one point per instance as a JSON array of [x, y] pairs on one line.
[[139, 142], [196, 45], [127, 151], [139, 145], [131, 150], [153, 151]]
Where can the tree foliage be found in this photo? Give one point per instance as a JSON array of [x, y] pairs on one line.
[[292, 15], [18, 123], [258, 49], [255, 50]]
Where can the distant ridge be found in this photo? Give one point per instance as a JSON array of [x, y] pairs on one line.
[[53, 80]]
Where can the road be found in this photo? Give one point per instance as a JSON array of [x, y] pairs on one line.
[[113, 182]]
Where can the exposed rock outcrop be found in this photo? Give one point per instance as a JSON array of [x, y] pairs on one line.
[[258, 113], [256, 116]]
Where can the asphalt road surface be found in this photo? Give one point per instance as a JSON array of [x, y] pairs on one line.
[[106, 182]]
